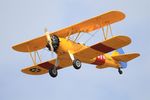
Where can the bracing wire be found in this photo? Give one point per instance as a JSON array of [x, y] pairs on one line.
[[80, 36], [92, 35]]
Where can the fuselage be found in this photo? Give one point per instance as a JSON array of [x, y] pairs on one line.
[[102, 61]]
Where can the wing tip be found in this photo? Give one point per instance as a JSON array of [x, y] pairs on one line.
[[124, 38], [15, 48], [34, 70], [18, 48], [119, 13], [136, 54]]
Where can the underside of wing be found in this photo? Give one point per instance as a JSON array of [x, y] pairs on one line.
[[103, 47], [34, 70], [42, 68], [112, 44], [31, 45]]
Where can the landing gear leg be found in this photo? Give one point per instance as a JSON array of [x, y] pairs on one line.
[[53, 70], [75, 62], [120, 71]]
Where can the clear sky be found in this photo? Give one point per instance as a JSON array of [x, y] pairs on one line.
[[21, 20]]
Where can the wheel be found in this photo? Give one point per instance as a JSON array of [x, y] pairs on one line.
[[77, 64], [120, 71], [53, 72]]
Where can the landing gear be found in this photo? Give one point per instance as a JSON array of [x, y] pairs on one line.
[[120, 71], [53, 72], [77, 64]]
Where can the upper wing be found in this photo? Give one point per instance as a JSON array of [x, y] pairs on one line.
[[102, 48], [85, 26], [31, 45], [92, 24], [42, 68]]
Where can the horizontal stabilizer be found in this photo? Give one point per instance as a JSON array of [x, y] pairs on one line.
[[126, 57]]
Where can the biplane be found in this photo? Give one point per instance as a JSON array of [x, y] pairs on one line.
[[108, 53]]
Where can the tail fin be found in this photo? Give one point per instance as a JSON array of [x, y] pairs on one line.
[[118, 52], [119, 55]]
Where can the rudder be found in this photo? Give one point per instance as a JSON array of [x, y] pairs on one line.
[[118, 52]]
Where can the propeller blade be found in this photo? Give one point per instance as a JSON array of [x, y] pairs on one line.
[[49, 41], [48, 36]]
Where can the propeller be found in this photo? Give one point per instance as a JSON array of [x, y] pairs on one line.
[[49, 40]]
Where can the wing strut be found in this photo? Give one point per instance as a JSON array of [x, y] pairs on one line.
[[33, 56], [77, 36], [108, 30], [69, 33]]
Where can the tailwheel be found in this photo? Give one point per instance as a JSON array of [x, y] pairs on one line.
[[53, 72], [77, 64], [120, 71]]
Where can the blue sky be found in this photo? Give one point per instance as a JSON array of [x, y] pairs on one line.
[[21, 20]]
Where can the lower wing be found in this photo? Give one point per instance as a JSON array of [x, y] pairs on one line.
[[106, 46], [42, 68]]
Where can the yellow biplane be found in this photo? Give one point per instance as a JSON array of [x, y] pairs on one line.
[[69, 52]]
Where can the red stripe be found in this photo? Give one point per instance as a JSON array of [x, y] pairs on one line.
[[102, 48], [47, 65]]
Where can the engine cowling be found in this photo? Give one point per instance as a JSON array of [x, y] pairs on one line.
[[55, 43]]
